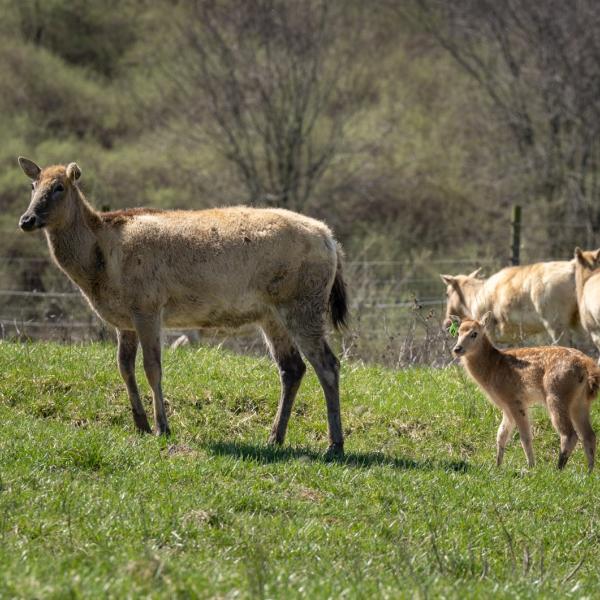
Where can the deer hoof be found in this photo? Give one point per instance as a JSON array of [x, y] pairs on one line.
[[275, 440], [334, 452]]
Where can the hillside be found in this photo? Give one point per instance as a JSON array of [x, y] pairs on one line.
[[411, 128]]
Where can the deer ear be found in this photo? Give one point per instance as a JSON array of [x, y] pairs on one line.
[[597, 255], [29, 167], [579, 255], [476, 272], [486, 320], [447, 279], [73, 171]]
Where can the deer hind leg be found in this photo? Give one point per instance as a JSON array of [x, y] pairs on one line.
[[148, 331], [327, 367], [596, 340], [518, 413], [306, 324], [561, 421], [580, 414], [126, 352], [507, 427], [291, 370]]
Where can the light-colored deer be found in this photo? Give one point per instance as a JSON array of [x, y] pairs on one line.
[[563, 379], [142, 269], [587, 284], [524, 301]]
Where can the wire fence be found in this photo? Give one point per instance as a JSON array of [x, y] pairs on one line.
[[396, 305], [390, 301]]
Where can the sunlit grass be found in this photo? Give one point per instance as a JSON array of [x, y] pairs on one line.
[[89, 508]]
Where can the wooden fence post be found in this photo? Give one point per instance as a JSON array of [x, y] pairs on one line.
[[515, 258]]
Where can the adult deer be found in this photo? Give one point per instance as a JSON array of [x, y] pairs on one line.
[[525, 300], [141, 269], [587, 284]]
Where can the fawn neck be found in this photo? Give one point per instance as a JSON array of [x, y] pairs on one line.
[[481, 363]]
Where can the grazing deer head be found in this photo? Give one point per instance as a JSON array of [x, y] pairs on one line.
[[459, 291]]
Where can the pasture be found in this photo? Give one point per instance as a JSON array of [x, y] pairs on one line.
[[417, 508]]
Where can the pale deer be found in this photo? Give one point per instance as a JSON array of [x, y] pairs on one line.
[[563, 379], [141, 269], [525, 300], [587, 284]]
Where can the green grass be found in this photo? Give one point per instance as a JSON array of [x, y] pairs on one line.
[[88, 508]]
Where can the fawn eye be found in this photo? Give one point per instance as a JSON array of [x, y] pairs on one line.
[[473, 334]]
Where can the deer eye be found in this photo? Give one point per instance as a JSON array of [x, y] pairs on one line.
[[33, 185], [58, 188], [473, 334]]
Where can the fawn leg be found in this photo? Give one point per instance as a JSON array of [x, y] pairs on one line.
[[580, 414], [505, 430], [519, 416], [561, 421]]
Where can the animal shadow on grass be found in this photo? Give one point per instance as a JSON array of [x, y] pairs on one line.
[[364, 460]]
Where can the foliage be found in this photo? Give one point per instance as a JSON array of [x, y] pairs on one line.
[[272, 85], [538, 63], [90, 34]]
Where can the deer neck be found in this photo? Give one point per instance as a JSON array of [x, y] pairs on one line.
[[471, 293], [74, 246], [581, 277]]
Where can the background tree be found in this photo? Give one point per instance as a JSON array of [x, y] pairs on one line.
[[272, 85], [539, 65]]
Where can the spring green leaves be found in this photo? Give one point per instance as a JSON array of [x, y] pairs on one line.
[[453, 329]]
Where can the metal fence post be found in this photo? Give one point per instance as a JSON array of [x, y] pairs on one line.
[[516, 235]]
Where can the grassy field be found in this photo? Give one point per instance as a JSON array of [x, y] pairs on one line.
[[90, 509]]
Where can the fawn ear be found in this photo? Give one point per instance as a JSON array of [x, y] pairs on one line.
[[73, 171], [486, 320], [476, 272], [29, 167], [579, 254], [447, 279], [597, 255]]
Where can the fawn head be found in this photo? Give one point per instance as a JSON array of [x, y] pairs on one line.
[[470, 335]]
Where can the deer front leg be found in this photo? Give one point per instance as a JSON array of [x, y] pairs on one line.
[[148, 330], [126, 351], [558, 332], [507, 426]]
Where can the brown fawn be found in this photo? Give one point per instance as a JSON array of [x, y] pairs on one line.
[[564, 379]]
